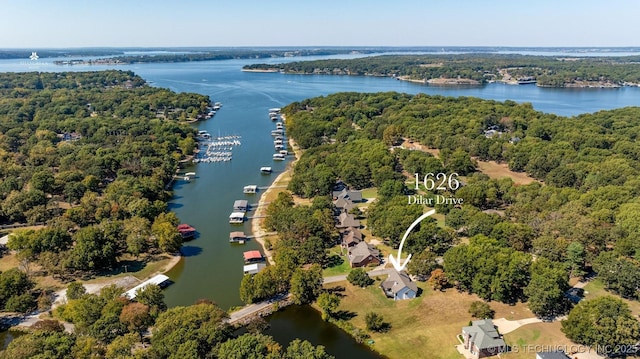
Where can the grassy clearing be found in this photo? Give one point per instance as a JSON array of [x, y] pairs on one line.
[[370, 193], [338, 263], [427, 324], [501, 170], [596, 289], [525, 340]]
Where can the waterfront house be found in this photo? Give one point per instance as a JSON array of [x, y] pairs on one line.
[[363, 254], [346, 220], [399, 286], [482, 339]]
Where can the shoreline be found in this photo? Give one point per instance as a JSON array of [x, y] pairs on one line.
[[257, 231], [260, 70]]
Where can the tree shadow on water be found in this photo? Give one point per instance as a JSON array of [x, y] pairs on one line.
[[190, 251]]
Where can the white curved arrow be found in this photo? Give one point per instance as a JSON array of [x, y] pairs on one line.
[[397, 262]]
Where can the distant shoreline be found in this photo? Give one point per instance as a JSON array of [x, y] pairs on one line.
[[260, 70]]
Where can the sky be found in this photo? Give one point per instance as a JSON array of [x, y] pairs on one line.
[[172, 23]]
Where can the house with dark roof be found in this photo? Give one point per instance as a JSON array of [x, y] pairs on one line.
[[399, 286], [351, 237], [482, 339], [552, 355], [346, 220], [354, 196], [343, 205], [363, 254]]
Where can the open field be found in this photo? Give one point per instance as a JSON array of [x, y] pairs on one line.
[[490, 168], [526, 340], [500, 170], [427, 324], [595, 288]]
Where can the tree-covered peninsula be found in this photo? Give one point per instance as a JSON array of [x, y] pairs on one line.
[[502, 241], [86, 157], [479, 68]]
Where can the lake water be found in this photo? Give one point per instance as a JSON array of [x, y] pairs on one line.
[[212, 268]]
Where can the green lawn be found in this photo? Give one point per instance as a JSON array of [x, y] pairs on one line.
[[595, 289], [338, 263], [370, 193], [427, 324], [525, 340]]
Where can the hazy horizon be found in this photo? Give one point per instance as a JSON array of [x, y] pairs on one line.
[[330, 23]]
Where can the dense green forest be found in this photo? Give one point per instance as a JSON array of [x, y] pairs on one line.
[[523, 242], [548, 71], [108, 325], [88, 154]]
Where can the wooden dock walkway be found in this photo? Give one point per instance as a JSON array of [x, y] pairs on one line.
[[262, 309]]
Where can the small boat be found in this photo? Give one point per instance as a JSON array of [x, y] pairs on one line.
[[279, 126], [274, 110], [279, 147], [277, 142], [252, 188], [278, 157], [284, 152], [277, 133], [265, 170], [190, 174]]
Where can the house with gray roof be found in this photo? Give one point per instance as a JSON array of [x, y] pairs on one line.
[[482, 339], [552, 355], [399, 286], [343, 205], [351, 237], [354, 196], [346, 220], [363, 254]]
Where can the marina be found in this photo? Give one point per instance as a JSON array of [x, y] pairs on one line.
[[218, 149]]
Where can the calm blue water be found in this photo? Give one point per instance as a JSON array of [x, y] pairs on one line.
[[212, 268]]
